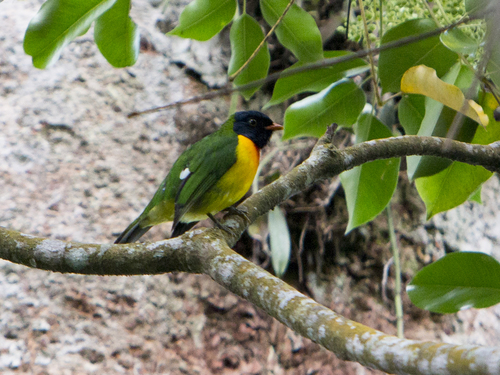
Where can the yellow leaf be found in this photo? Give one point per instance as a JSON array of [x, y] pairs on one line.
[[424, 80]]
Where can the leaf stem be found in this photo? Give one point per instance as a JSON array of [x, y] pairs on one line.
[[381, 12], [397, 274], [441, 9], [309, 67], [370, 56], [431, 12], [235, 74]]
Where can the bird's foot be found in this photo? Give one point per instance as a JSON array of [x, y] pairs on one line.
[[231, 210], [218, 224]]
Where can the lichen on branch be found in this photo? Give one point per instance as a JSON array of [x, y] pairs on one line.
[[208, 251]]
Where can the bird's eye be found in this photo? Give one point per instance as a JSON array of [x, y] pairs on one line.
[[252, 122]]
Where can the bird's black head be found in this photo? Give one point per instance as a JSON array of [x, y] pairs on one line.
[[256, 126]]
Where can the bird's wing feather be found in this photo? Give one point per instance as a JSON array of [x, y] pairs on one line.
[[209, 160]]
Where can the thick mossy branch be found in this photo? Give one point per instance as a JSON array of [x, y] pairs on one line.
[[186, 253], [347, 339], [176, 254], [207, 251], [327, 161]]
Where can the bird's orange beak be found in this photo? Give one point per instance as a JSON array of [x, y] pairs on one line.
[[274, 127]]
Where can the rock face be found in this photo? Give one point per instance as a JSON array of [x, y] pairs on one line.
[[73, 167], [473, 227]]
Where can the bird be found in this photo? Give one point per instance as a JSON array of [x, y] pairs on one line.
[[210, 176]]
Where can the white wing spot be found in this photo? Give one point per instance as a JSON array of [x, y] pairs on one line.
[[185, 173]]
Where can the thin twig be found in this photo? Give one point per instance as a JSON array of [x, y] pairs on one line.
[[347, 20], [259, 47], [300, 251], [381, 13], [397, 274], [441, 9], [370, 56], [479, 73], [385, 278], [313, 66], [433, 16]]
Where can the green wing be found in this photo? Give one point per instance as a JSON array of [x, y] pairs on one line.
[[207, 160]]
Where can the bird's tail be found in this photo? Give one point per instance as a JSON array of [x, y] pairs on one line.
[[133, 232], [180, 228]]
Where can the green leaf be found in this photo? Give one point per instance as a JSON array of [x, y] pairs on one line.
[[279, 239], [476, 196], [450, 187], [437, 121], [117, 36], [423, 80], [459, 182], [459, 42], [456, 282], [491, 133], [297, 31], [203, 19], [493, 67], [474, 6], [341, 102], [411, 113], [315, 80], [431, 52], [56, 24], [369, 187], [245, 37]]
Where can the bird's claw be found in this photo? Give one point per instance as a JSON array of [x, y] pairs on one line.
[[231, 210], [218, 224]]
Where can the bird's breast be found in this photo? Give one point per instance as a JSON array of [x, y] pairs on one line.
[[235, 182], [247, 159]]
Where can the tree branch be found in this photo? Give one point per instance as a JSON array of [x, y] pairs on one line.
[[326, 161], [207, 251], [312, 66]]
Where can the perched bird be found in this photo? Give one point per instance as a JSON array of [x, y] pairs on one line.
[[210, 176]]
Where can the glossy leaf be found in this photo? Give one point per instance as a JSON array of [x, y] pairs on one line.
[[490, 134], [117, 36], [437, 121], [245, 37], [369, 187], [460, 182], [411, 113], [481, 6], [488, 9], [393, 63], [457, 281], [423, 80], [280, 243], [56, 24], [203, 19], [297, 31], [476, 196], [450, 187], [493, 68], [341, 102], [315, 80], [459, 42]]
